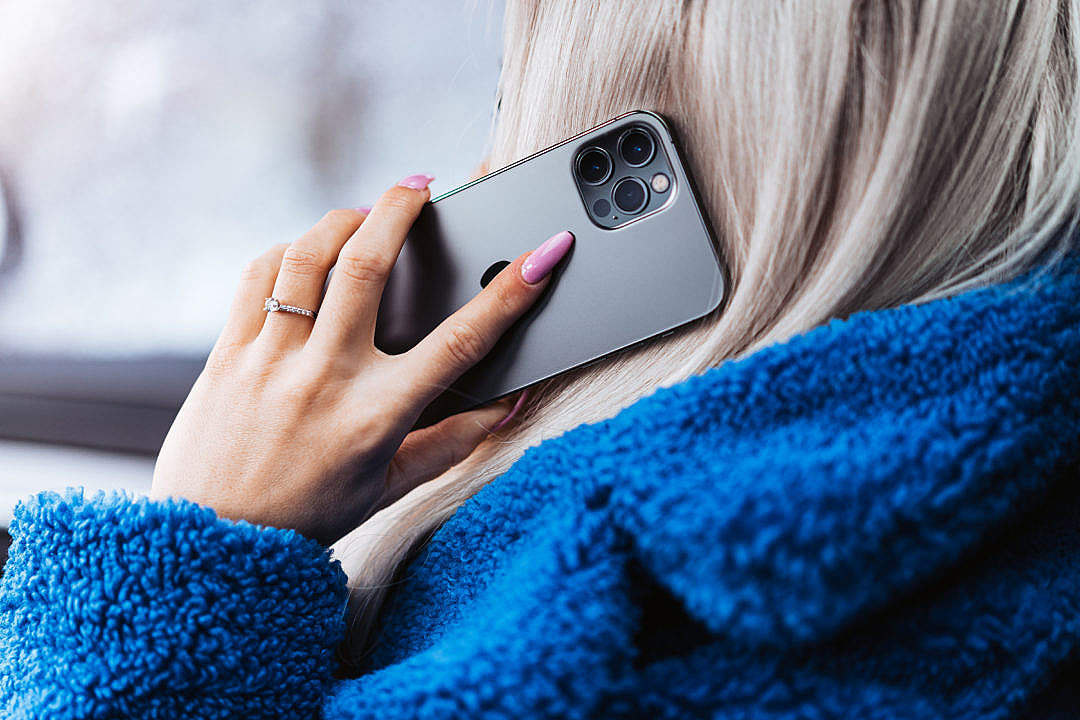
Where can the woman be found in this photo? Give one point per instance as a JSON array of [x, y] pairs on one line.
[[850, 493]]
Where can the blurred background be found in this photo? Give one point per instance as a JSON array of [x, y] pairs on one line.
[[148, 150]]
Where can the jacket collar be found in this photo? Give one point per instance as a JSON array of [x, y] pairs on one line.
[[782, 496]]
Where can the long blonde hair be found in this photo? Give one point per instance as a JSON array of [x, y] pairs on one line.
[[853, 155]]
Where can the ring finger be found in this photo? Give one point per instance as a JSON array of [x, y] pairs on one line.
[[304, 268]]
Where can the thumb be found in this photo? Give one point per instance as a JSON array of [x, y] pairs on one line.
[[427, 453]]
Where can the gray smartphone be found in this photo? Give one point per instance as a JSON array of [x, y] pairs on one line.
[[643, 262]]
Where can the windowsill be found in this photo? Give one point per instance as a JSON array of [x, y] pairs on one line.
[[96, 423], [29, 468], [125, 404]]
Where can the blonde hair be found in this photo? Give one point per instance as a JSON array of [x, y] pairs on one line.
[[853, 155]]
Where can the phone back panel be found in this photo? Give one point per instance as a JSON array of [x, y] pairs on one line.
[[615, 288]]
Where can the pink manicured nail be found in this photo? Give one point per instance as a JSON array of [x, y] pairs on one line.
[[417, 182], [513, 411], [366, 209], [541, 260]]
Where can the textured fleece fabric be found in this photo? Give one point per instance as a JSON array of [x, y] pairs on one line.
[[877, 519]]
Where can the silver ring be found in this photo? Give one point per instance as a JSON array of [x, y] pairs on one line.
[[275, 305]]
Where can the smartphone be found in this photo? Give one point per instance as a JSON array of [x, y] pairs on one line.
[[644, 260]]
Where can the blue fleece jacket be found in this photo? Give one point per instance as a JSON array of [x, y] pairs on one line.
[[877, 519]]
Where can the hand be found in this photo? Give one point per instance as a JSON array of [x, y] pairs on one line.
[[304, 424]]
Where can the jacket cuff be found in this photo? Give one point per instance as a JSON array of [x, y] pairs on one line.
[[126, 607]]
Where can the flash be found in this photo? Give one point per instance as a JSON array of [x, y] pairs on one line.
[[660, 182]]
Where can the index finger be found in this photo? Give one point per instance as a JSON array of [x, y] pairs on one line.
[[463, 339]]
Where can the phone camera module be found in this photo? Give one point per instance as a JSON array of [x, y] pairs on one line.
[[594, 166], [636, 147], [623, 174], [630, 195]]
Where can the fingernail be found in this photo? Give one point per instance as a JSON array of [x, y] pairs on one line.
[[366, 209], [417, 182], [541, 260], [513, 411]]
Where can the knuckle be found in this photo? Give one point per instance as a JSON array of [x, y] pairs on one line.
[[276, 251], [340, 217], [506, 298], [399, 198], [302, 261], [324, 370], [223, 358], [295, 395], [465, 344], [264, 265], [366, 429], [255, 269], [362, 267], [454, 449]]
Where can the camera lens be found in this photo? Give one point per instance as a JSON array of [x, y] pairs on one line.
[[630, 195], [594, 166], [636, 147]]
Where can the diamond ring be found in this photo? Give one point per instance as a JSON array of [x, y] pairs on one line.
[[275, 305]]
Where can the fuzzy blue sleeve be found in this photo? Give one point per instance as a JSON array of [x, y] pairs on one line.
[[115, 607]]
